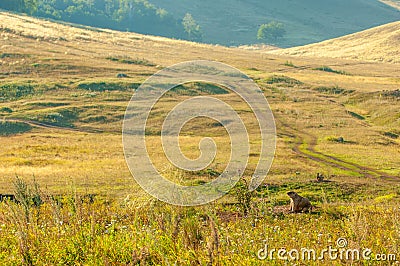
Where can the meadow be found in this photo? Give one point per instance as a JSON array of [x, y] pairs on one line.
[[63, 95]]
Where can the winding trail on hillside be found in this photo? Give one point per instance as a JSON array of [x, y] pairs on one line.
[[305, 145]]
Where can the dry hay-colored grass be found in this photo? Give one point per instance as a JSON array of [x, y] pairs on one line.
[[378, 44]]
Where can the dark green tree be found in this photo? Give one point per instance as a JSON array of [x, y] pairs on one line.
[[192, 29], [271, 32], [13, 5], [28, 6]]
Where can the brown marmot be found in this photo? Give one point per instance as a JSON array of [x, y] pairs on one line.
[[298, 203]]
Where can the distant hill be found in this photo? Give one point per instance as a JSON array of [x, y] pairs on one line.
[[377, 44], [393, 3], [236, 22], [233, 22]]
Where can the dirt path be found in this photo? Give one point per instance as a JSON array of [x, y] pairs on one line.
[[309, 151], [301, 139]]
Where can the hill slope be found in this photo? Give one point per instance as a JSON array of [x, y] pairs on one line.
[[378, 44], [305, 21], [393, 3]]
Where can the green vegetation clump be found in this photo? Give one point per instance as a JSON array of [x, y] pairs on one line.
[[131, 61], [290, 64], [198, 88], [107, 86], [13, 91], [328, 69], [271, 32], [12, 55], [333, 90], [46, 104], [61, 118], [283, 80], [392, 94], [7, 110], [355, 115], [192, 28], [11, 128], [391, 135], [28, 6]]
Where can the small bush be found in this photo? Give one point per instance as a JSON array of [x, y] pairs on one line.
[[355, 115], [282, 80], [12, 128], [6, 110], [333, 90], [15, 91], [10, 55], [198, 88], [243, 196], [106, 86], [328, 69], [62, 118], [131, 61], [336, 139], [290, 64], [391, 135]]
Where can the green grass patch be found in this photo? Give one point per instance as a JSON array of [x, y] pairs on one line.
[[11, 128], [290, 64], [355, 115], [330, 70], [46, 104], [12, 55], [131, 61], [277, 79], [107, 86], [198, 88], [61, 118], [6, 110], [391, 135], [336, 90], [13, 91]]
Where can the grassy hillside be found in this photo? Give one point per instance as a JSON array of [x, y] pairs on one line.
[[392, 3], [305, 21], [379, 44], [63, 95]]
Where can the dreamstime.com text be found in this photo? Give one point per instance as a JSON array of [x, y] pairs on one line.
[[338, 252]]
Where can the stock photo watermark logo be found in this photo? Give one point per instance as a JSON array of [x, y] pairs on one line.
[[340, 251], [209, 72]]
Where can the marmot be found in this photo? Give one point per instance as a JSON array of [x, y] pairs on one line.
[[298, 203]]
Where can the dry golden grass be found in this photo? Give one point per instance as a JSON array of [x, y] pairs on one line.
[[392, 3], [380, 44]]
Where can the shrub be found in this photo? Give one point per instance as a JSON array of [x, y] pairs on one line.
[[333, 90], [328, 69], [271, 31], [6, 110], [391, 135], [11, 128], [15, 91], [131, 61], [106, 86], [355, 115], [283, 79]]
